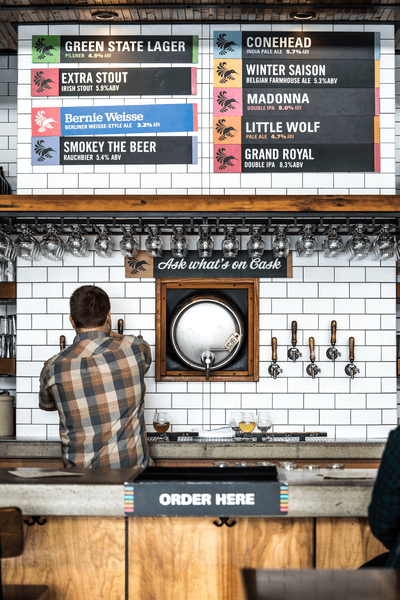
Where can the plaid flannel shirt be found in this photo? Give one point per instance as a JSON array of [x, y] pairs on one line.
[[384, 510], [97, 386]]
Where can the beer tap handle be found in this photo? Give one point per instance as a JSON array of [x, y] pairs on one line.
[[294, 333], [120, 326], [62, 342], [333, 333], [274, 344], [312, 349], [351, 349]]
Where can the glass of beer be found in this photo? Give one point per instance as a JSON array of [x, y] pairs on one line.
[[248, 422], [161, 423]]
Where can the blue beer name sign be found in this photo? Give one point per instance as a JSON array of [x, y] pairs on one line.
[[103, 120]]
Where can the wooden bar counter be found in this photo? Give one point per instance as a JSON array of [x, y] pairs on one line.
[[84, 547]]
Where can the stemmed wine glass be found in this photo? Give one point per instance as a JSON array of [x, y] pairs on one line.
[[179, 243], [358, 245], [384, 245], [264, 422], [77, 244], [52, 246], [26, 245], [248, 422], [205, 242], [234, 422], [128, 245], [306, 245], [154, 244], [280, 243], [161, 423], [230, 243], [103, 244], [256, 244], [7, 250], [333, 244]]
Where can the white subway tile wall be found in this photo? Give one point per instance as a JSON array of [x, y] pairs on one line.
[[333, 402]]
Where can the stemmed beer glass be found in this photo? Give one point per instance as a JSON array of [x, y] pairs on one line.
[[333, 244], [358, 245], [77, 244], [384, 245], [306, 245], [161, 423]]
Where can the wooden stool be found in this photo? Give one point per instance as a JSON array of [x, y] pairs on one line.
[[12, 544]]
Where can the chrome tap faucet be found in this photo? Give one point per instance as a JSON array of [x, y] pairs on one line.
[[312, 369], [208, 358], [332, 352], [274, 369], [293, 352], [351, 368]]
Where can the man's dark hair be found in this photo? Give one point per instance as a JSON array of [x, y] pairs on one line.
[[89, 307]]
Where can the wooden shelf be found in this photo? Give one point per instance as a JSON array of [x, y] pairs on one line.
[[8, 289], [7, 366]]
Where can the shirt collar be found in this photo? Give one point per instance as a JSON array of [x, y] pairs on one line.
[[91, 335]]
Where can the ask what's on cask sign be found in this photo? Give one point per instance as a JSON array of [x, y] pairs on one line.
[[192, 266]]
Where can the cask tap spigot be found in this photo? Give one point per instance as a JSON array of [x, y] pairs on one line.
[[208, 358], [120, 326], [274, 369], [312, 369], [293, 352], [332, 352], [351, 368]]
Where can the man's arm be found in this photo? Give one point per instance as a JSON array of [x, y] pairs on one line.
[[46, 402]]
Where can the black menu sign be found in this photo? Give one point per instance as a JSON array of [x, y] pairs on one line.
[[296, 101], [161, 81], [114, 49]]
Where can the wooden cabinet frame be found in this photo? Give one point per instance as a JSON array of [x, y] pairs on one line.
[[252, 329]]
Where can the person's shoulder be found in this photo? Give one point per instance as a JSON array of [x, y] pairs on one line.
[[394, 436], [50, 362]]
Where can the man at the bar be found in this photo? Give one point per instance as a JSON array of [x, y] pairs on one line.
[[97, 386]]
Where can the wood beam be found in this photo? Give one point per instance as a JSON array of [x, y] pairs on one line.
[[198, 203]]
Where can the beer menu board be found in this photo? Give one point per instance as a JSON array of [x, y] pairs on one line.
[[100, 120], [114, 49], [296, 102], [114, 150], [64, 135], [161, 81]]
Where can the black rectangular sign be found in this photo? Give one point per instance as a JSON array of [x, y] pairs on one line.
[[129, 48], [332, 45], [161, 81], [219, 266], [271, 158], [320, 130], [212, 498], [312, 101], [308, 73], [128, 150]]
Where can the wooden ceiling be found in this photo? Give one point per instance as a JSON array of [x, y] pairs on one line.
[[14, 12]]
